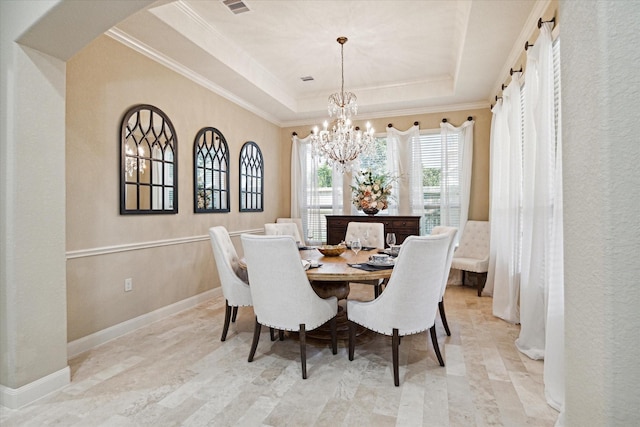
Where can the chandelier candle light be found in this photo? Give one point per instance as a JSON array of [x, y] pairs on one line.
[[341, 144]]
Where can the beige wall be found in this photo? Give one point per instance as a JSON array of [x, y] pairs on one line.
[[479, 203], [103, 81]]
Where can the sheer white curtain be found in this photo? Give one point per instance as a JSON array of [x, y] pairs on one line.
[[542, 286], [503, 277], [306, 202], [405, 162], [455, 180]]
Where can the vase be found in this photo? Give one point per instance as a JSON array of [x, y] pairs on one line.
[[370, 211]]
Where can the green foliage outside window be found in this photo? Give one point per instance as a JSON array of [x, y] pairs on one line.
[[431, 177], [324, 176]]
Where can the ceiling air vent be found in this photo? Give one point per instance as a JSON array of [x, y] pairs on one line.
[[236, 6], [306, 78]]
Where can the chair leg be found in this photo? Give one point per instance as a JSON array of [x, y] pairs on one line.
[[436, 348], [256, 338], [272, 334], [281, 334], [443, 316], [235, 314], [462, 277], [482, 280], [395, 343], [377, 289], [227, 317], [334, 335], [303, 351], [352, 339]]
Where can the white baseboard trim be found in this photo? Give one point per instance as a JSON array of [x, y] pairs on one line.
[[14, 398], [83, 344]]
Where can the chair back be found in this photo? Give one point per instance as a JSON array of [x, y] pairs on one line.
[[474, 242], [410, 299], [371, 234], [283, 229], [233, 279], [282, 295], [451, 232], [297, 222]]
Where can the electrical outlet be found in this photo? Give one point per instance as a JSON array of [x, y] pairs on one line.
[[128, 285]]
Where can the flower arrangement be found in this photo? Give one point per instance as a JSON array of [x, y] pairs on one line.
[[371, 192]]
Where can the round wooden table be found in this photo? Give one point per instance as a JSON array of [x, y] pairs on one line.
[[332, 278], [336, 268]]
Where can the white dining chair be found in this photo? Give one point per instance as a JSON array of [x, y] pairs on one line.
[[298, 223], [283, 229], [233, 279], [472, 254], [451, 232], [409, 302], [282, 295], [371, 235]]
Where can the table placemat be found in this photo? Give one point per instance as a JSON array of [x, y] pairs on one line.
[[367, 267]]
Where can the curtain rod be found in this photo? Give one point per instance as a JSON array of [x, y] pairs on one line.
[[527, 45], [469, 119], [390, 125], [540, 22]]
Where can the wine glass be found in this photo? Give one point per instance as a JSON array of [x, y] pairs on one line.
[[391, 239], [356, 245]]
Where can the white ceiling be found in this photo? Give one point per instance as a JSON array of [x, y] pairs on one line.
[[402, 57]]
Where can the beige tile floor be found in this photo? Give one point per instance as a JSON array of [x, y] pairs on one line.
[[176, 372]]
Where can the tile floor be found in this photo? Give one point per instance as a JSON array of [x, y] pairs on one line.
[[177, 372]]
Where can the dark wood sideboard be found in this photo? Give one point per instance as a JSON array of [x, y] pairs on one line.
[[403, 226]]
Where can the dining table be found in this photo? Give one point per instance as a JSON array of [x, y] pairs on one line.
[[333, 276]]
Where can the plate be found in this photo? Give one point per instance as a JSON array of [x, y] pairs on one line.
[[388, 263]]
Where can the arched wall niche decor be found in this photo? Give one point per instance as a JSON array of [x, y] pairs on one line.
[[148, 162], [210, 172], [251, 178]]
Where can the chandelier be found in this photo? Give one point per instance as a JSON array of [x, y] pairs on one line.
[[339, 142], [131, 164]]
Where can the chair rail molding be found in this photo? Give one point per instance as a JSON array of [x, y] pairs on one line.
[[104, 250]]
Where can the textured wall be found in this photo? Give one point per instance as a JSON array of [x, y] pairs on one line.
[[600, 50], [32, 274]]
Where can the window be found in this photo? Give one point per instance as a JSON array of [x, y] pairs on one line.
[[328, 197], [211, 171], [435, 159], [148, 162], [251, 178]]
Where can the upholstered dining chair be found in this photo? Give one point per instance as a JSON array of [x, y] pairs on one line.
[[282, 295], [283, 229], [409, 302], [451, 232], [298, 223], [371, 235], [233, 279], [472, 254]]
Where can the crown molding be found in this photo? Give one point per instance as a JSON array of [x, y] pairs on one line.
[[158, 57]]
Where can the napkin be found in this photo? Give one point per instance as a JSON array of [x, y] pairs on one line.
[[305, 264]]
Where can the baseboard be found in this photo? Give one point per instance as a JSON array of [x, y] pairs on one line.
[[14, 398], [83, 344]]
